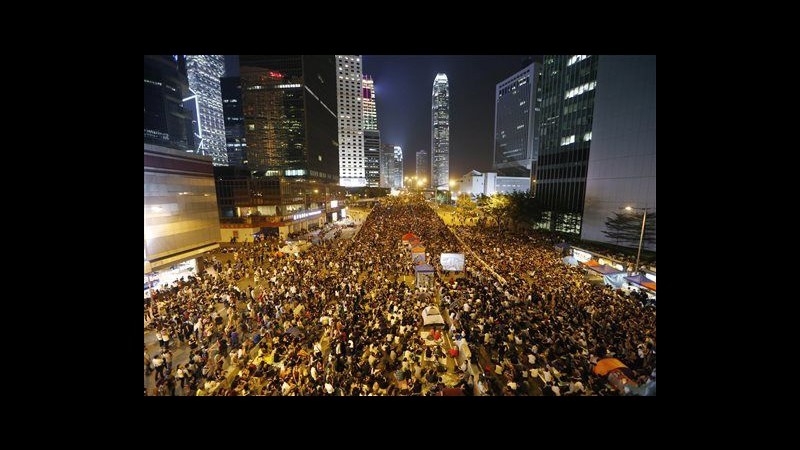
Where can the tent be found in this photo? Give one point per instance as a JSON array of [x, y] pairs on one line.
[[643, 281], [408, 236], [423, 275], [414, 242], [570, 260], [603, 269], [611, 275], [418, 255]]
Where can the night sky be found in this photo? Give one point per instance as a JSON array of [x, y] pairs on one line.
[[403, 87]]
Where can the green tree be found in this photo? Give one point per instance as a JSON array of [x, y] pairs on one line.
[[482, 200], [465, 207], [499, 208], [525, 208], [627, 227]]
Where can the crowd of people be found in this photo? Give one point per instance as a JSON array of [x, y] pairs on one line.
[[547, 326], [344, 318]]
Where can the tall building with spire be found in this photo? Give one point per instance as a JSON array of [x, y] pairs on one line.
[[440, 133]]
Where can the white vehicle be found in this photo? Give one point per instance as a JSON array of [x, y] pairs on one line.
[[432, 317]]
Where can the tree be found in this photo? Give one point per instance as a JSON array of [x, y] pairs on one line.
[[482, 200], [627, 227], [498, 208], [465, 207], [525, 208]]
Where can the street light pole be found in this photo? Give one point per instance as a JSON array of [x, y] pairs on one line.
[[641, 238], [641, 235]]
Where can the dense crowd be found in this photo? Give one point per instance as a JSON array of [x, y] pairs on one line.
[[343, 318], [547, 322], [338, 319]]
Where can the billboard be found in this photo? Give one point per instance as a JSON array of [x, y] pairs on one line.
[[452, 261]]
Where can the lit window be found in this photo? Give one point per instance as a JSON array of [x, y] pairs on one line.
[[568, 140], [576, 58], [587, 136]]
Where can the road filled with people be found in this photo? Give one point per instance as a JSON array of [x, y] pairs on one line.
[[344, 318]]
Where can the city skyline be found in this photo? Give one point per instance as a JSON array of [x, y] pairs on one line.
[[306, 256], [402, 86]]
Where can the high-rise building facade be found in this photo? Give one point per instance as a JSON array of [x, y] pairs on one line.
[[235, 141], [166, 122], [386, 164], [423, 166], [372, 136], [397, 169], [516, 122], [440, 133], [352, 171], [291, 125], [568, 100], [372, 157], [391, 166], [368, 101], [204, 73], [622, 161]]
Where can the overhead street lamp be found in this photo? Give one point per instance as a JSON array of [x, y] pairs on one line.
[[641, 235]]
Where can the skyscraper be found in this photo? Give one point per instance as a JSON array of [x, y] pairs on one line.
[[568, 90], [423, 166], [166, 122], [440, 133], [368, 99], [203, 73], [597, 149], [234, 120], [386, 164], [372, 136], [391, 166], [351, 121], [398, 167], [516, 123], [622, 161], [289, 105]]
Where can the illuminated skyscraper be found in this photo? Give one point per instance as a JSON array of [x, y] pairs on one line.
[[234, 120], [516, 122], [391, 166], [368, 98], [166, 122], [423, 165], [204, 72], [289, 105], [440, 133], [372, 137], [351, 121], [398, 167]]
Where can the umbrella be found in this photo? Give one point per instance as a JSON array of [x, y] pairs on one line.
[[606, 365], [451, 392]]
